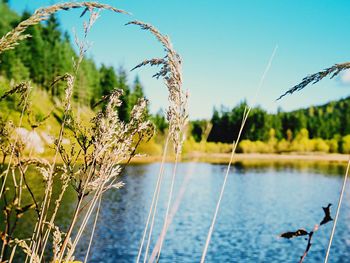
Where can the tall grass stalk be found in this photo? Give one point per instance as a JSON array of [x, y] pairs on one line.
[[9, 41], [93, 229], [12, 38], [23, 87], [26, 86], [337, 213], [177, 114], [234, 146], [179, 196], [48, 191], [103, 146], [82, 45], [153, 208], [170, 197], [110, 167], [97, 196], [111, 139]]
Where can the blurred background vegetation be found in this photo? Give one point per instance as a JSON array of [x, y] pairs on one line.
[[49, 52]]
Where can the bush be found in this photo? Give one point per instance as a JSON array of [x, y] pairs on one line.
[[283, 146], [346, 144], [247, 146], [321, 145], [333, 145]]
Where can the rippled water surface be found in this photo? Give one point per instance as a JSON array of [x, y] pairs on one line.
[[258, 204]]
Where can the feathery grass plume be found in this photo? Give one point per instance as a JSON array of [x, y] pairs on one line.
[[171, 72], [177, 116], [314, 78], [83, 46], [12, 38], [6, 129], [113, 142], [57, 242], [26, 249], [38, 240], [13, 146], [103, 146], [180, 195], [21, 88], [24, 90]]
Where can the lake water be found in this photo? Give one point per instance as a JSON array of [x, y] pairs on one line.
[[259, 203]]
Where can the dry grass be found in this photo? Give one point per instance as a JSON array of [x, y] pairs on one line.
[[316, 77], [177, 116], [102, 146], [12, 38]]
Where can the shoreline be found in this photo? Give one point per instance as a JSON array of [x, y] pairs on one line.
[[251, 157], [224, 158]]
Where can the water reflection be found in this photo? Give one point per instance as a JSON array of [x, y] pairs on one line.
[[260, 202]]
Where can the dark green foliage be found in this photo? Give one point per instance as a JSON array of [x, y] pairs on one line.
[[226, 124], [198, 129], [49, 53], [108, 80], [160, 122], [328, 121], [123, 112], [135, 94]]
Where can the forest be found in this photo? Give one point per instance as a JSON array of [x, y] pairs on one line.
[[49, 54], [324, 128]]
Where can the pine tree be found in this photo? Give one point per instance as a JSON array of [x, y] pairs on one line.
[[135, 94]]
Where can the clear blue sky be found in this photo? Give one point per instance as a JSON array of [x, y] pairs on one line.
[[225, 46]]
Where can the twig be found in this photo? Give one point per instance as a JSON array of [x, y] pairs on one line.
[[309, 244]]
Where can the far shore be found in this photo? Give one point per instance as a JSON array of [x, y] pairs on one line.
[[255, 157]]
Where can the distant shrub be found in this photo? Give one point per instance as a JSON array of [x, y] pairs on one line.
[[301, 144], [246, 146], [321, 145], [150, 148], [283, 146], [333, 145], [346, 144], [190, 145]]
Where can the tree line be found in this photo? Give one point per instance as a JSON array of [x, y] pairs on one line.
[[325, 121], [48, 53], [316, 128]]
